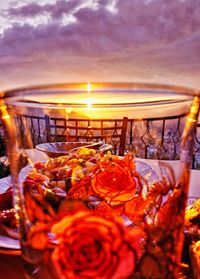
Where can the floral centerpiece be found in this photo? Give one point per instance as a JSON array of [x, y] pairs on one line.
[[97, 217]]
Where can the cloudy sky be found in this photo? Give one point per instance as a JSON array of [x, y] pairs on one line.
[[50, 41]]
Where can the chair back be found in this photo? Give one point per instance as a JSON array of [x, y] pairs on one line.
[[85, 130]]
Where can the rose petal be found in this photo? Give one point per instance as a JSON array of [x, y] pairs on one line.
[[91, 246]]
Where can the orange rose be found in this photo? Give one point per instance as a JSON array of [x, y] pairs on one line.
[[90, 246], [80, 188], [105, 210], [135, 209], [114, 183]]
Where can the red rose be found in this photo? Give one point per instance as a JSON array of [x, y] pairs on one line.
[[114, 183], [90, 246]]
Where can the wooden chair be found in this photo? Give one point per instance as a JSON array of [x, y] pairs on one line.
[[85, 130]]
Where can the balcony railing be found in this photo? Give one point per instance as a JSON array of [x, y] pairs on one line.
[[151, 138]]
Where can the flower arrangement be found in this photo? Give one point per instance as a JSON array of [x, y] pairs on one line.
[[97, 217]]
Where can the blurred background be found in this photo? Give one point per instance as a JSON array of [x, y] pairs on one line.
[[50, 41]]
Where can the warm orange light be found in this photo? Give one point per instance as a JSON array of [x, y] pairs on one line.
[[3, 107], [89, 87], [6, 116], [4, 111], [89, 102], [191, 120]]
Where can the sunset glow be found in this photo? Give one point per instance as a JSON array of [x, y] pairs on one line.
[[53, 41]]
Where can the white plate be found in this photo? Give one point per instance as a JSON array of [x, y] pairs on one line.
[[143, 168], [5, 183], [146, 171], [9, 243]]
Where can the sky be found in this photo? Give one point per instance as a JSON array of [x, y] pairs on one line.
[[53, 41]]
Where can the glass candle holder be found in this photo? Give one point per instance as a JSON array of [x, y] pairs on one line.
[[107, 210]]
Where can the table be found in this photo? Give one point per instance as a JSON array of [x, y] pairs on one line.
[[194, 189], [12, 264]]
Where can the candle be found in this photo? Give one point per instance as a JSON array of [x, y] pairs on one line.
[[96, 101]]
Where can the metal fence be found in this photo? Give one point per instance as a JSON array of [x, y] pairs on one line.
[[152, 138], [156, 138], [2, 140], [196, 153], [32, 130]]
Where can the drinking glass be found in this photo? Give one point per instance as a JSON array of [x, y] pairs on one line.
[[95, 212]]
